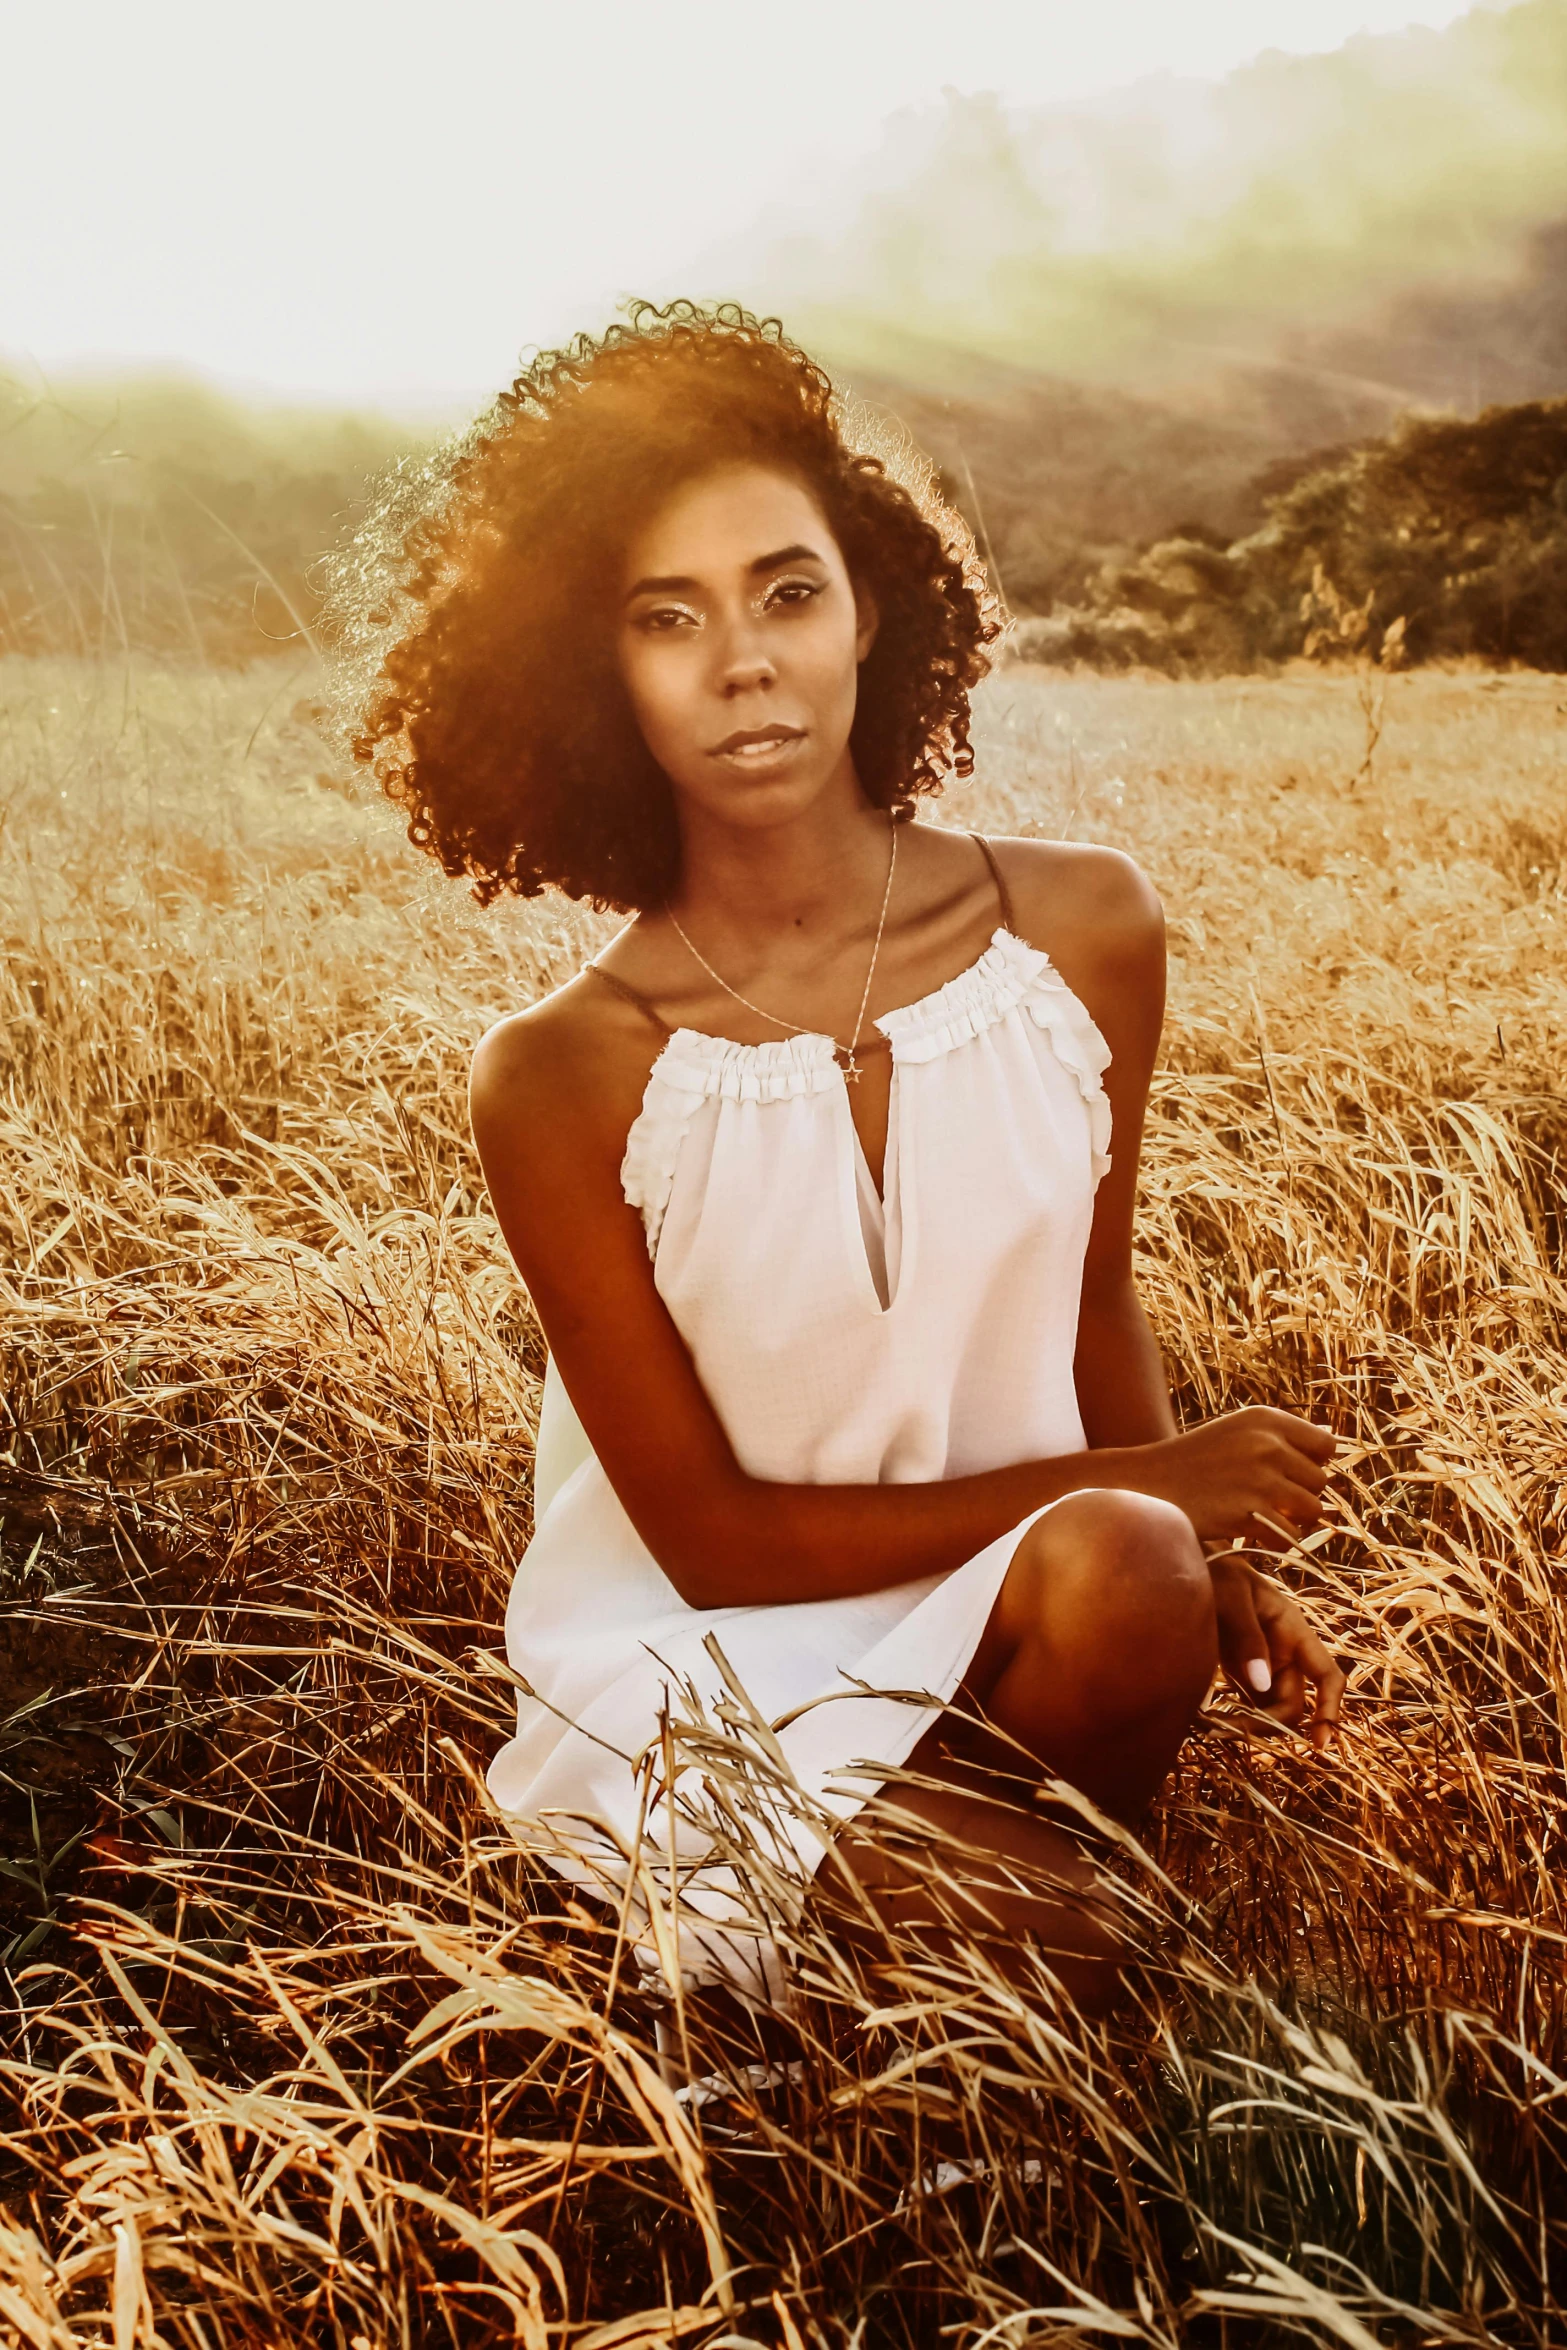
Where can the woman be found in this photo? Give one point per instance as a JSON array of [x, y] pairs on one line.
[[821, 1177]]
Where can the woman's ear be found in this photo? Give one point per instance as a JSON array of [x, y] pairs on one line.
[[868, 618]]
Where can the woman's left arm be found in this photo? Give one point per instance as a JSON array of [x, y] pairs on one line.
[[1105, 928], [1122, 1391], [1098, 916]]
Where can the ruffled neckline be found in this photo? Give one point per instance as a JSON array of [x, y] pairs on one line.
[[962, 1008], [951, 1014], [779, 1070]]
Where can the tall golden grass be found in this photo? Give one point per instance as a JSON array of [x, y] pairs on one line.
[[302, 2048]]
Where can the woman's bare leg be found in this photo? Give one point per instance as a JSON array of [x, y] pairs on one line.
[[1098, 1652], [1101, 1646]]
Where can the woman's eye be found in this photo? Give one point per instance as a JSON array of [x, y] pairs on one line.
[[662, 617], [794, 591]]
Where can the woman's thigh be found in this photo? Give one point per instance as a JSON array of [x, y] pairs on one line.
[[966, 1860], [1096, 1655]]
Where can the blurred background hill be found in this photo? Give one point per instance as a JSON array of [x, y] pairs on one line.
[[156, 513], [1218, 370]]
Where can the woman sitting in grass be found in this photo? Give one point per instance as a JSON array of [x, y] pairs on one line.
[[822, 1176]]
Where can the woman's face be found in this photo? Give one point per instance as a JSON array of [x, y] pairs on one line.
[[740, 641]]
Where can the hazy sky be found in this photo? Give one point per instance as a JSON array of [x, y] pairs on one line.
[[388, 198]]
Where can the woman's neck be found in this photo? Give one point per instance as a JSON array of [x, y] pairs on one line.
[[813, 875]]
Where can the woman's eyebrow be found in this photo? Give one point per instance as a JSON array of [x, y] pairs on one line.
[[668, 583], [798, 554], [677, 583]]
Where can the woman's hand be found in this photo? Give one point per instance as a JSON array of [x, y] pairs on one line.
[[1250, 1466], [1266, 1643]]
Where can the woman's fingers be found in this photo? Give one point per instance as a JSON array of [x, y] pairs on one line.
[[1303, 1479], [1330, 1681], [1311, 1476], [1269, 1646], [1280, 1530], [1298, 1457], [1300, 1504], [1318, 1444], [1288, 1702], [1243, 1645], [1298, 1652], [1295, 1513]]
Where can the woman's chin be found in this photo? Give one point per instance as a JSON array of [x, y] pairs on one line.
[[760, 802]]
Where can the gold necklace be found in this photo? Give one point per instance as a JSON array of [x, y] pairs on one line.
[[843, 1054]]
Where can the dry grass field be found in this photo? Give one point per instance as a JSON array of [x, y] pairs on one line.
[[300, 2049]]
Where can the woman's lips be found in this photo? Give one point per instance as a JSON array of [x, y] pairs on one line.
[[751, 746]]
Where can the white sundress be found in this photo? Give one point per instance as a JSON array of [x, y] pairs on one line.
[[842, 1337]]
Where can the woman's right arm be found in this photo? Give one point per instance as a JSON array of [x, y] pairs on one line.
[[554, 1093]]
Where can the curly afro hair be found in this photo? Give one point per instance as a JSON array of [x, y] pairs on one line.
[[483, 597]]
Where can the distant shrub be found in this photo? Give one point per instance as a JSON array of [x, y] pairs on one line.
[[1452, 529]]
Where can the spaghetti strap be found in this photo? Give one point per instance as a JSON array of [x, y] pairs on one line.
[[631, 996], [996, 875]]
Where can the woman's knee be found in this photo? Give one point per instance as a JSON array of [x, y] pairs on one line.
[[1113, 1565]]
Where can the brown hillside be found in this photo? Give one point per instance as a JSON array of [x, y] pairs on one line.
[[1451, 531]]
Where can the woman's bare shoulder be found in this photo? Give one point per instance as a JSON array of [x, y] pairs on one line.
[[1095, 913], [1086, 906], [581, 1054]]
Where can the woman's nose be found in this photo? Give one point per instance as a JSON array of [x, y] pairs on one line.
[[744, 660]]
